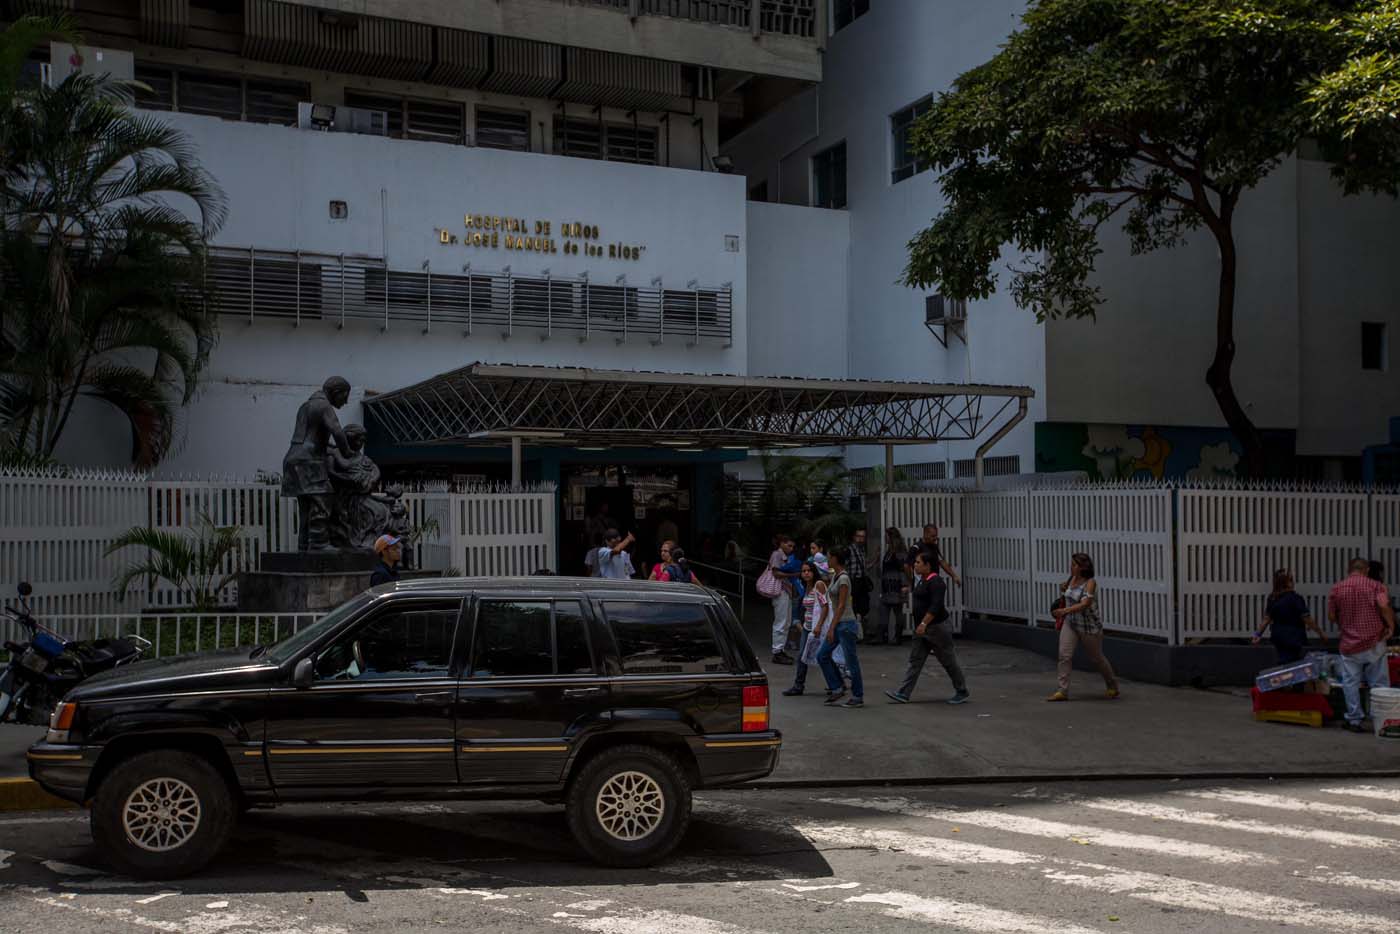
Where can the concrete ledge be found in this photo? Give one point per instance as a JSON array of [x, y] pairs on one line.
[[1138, 659], [24, 794]]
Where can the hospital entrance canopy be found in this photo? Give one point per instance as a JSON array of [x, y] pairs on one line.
[[490, 404]]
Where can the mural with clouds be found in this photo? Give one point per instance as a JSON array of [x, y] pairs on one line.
[[1125, 452]]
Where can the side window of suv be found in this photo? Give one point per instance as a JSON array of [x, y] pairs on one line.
[[412, 640], [664, 638], [517, 638]]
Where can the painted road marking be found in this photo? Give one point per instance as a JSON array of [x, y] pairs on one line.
[[1221, 822], [944, 912], [1057, 830], [1286, 803], [1391, 795], [649, 922]]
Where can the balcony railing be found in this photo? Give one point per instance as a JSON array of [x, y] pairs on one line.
[[308, 287], [782, 17]]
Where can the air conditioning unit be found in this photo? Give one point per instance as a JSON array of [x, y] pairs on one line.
[[338, 119], [942, 315]]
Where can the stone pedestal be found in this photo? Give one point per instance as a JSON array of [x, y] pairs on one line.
[[304, 582]]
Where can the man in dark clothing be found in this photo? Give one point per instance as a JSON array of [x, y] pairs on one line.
[[936, 559], [387, 570], [930, 633]]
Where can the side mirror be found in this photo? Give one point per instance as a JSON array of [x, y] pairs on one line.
[[304, 674], [25, 589]]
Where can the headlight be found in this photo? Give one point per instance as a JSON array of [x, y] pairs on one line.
[[60, 722]]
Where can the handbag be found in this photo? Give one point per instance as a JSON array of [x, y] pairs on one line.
[[1059, 620], [768, 584]]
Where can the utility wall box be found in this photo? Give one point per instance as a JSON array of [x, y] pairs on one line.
[[64, 60]]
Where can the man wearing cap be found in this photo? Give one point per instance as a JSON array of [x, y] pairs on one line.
[[387, 570]]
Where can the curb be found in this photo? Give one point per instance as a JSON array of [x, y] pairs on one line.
[[1043, 778], [24, 794]]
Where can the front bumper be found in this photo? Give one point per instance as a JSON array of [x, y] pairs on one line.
[[62, 770], [730, 758]]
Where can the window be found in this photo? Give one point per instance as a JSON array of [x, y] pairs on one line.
[[1374, 351], [233, 97], [521, 638], [759, 192], [905, 162], [413, 640], [829, 177], [410, 118], [588, 139], [664, 638], [845, 12], [503, 129]]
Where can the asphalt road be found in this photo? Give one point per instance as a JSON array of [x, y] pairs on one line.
[[1062, 859]]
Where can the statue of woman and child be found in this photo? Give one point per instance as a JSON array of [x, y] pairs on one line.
[[334, 481]]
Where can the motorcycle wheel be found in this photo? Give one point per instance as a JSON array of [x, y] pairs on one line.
[[7, 697]]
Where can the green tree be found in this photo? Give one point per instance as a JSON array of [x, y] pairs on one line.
[[193, 560], [1357, 103], [1156, 114], [104, 295]]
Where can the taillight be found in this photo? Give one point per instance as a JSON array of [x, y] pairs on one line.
[[60, 722], [755, 708]]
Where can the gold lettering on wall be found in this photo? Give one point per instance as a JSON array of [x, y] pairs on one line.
[[576, 238]]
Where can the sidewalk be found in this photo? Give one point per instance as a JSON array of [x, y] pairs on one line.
[[1007, 730]]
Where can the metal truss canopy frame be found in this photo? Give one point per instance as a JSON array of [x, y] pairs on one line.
[[488, 404]]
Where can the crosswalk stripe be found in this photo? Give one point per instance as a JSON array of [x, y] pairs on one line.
[[945, 912], [1285, 803], [1366, 791], [1057, 830], [1385, 886], [649, 922], [1148, 886], [1220, 899], [1221, 822]]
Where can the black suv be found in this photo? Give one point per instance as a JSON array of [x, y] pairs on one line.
[[615, 698]]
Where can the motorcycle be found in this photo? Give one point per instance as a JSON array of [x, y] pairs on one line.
[[41, 671]]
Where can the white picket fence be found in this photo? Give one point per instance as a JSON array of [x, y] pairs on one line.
[[910, 512], [54, 533], [1173, 564]]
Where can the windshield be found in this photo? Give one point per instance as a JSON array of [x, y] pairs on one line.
[[281, 651]]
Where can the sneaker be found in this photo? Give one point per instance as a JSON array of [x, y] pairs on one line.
[[1354, 727], [782, 658], [833, 697], [1058, 696], [1111, 694], [853, 702], [897, 697], [793, 692], [958, 698]]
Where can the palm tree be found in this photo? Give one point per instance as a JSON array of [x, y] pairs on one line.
[[194, 560], [104, 288]]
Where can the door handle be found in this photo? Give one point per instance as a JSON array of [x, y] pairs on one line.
[[433, 696], [574, 693]]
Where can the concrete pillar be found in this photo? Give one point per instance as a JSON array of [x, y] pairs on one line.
[[515, 457]]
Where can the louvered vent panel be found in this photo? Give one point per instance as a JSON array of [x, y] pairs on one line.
[[165, 22], [329, 41], [620, 80], [524, 67], [463, 58]]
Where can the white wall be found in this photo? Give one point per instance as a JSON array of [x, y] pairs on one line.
[[1154, 336], [798, 291], [897, 53], [280, 181]]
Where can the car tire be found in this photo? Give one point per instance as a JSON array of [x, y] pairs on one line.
[[162, 814], [629, 806]]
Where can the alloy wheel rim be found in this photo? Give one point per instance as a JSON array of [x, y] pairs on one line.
[[161, 814], [630, 806]]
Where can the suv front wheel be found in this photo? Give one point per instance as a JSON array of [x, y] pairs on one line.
[[629, 806], [162, 814]]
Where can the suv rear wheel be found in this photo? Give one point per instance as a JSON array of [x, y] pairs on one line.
[[629, 806], [162, 814]]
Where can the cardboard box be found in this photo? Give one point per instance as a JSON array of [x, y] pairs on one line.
[[1312, 667]]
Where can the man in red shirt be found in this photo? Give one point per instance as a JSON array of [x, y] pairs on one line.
[[1360, 607]]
